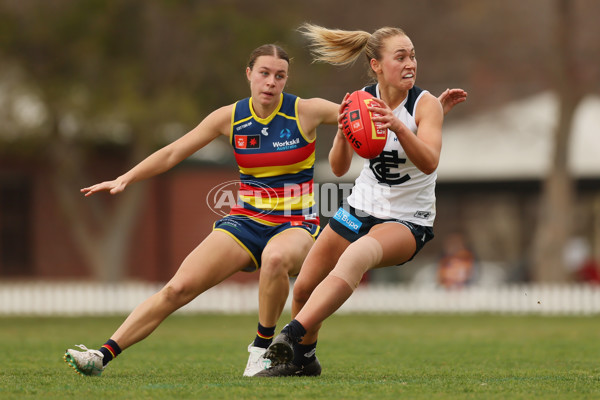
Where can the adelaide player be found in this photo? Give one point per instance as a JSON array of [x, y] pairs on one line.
[[274, 224], [389, 215]]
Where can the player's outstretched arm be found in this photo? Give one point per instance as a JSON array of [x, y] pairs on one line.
[[215, 124]]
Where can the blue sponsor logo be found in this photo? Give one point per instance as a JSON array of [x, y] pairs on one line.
[[285, 133], [349, 221]]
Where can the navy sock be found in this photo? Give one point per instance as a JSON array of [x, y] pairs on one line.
[[295, 330], [304, 354], [264, 336], [109, 350]]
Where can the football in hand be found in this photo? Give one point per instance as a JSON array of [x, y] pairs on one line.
[[366, 137]]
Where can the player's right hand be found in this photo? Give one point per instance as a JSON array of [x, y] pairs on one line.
[[114, 187]]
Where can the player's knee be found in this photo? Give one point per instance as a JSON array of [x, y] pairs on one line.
[[275, 263], [358, 259], [302, 292], [176, 295]]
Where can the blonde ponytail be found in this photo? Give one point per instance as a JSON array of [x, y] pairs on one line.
[[334, 46], [340, 47]]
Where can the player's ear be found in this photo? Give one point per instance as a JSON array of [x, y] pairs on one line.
[[375, 66], [248, 73]]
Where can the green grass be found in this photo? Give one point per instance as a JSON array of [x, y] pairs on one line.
[[363, 357]]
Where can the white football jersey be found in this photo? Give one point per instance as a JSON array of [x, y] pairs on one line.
[[390, 185]]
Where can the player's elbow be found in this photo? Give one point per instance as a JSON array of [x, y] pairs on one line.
[[338, 167], [429, 171], [428, 162], [429, 167], [338, 170]]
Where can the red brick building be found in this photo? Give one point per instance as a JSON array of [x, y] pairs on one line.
[[37, 242]]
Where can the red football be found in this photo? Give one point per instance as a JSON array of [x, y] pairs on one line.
[[366, 137]]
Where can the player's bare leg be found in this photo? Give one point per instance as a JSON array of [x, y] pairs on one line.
[[215, 259], [319, 262], [282, 258]]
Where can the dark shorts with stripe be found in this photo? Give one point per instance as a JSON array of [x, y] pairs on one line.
[[254, 236], [352, 225]]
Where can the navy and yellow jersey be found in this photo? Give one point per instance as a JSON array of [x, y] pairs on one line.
[[276, 162]]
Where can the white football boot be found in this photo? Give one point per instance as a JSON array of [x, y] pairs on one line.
[[256, 361], [87, 362]]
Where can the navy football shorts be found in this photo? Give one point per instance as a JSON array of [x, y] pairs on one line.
[[254, 236], [352, 226]]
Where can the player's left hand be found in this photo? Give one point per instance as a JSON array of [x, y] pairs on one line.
[[451, 97]]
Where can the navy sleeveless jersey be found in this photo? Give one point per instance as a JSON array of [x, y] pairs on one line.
[[276, 163]]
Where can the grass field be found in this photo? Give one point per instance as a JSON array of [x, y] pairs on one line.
[[363, 357]]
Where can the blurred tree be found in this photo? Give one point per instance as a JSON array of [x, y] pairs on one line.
[[575, 77], [124, 75]]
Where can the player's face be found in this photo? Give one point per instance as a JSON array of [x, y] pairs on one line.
[[267, 79], [398, 64]]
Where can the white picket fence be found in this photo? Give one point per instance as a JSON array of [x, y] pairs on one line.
[[86, 298]]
